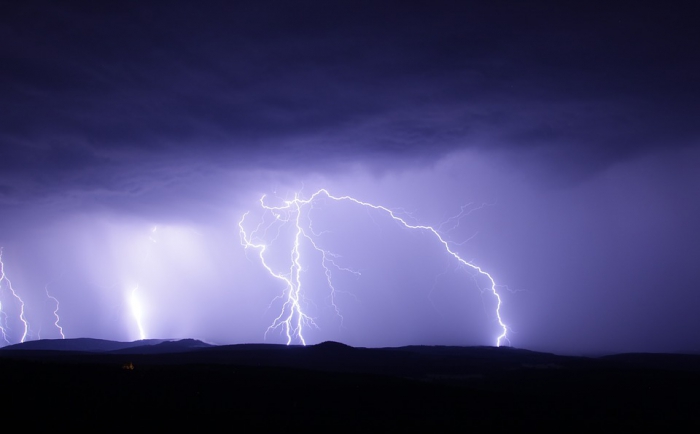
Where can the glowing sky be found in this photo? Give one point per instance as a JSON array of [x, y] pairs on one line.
[[134, 137]]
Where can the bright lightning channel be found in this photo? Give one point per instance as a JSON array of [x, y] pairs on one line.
[[137, 312], [292, 318], [134, 300], [8, 284], [55, 312], [3, 325]]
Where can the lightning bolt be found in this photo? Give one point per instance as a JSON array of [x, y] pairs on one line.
[[8, 284], [134, 301], [55, 312], [292, 318], [3, 325], [137, 311]]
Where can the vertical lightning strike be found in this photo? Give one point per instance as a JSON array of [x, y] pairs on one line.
[[134, 302], [3, 325], [292, 318], [136, 311], [55, 312], [3, 278]]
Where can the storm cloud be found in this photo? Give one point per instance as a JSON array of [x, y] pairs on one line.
[[572, 128]]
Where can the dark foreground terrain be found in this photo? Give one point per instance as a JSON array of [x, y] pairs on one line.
[[179, 384]]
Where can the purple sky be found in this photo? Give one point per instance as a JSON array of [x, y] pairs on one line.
[[576, 128]]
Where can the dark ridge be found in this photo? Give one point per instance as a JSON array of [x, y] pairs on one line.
[[176, 346], [261, 386], [332, 345], [89, 345]]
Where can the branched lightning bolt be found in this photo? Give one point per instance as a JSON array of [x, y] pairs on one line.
[[8, 284], [292, 318]]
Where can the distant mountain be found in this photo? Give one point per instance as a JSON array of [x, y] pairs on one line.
[[409, 361], [85, 345], [165, 347]]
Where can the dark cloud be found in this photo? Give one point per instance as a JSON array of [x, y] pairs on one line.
[[338, 81]]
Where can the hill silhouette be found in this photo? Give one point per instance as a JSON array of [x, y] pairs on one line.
[[267, 386]]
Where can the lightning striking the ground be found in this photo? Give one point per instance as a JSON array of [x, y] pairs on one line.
[[137, 312], [6, 283], [55, 312], [3, 325], [134, 300], [292, 318]]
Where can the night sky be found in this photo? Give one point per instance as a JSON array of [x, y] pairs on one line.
[[134, 135]]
